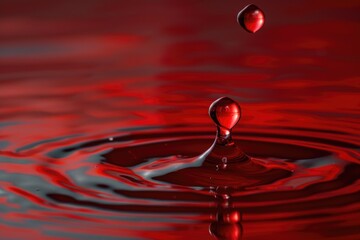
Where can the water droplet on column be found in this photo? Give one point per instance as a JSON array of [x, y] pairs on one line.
[[225, 113], [224, 164], [251, 18]]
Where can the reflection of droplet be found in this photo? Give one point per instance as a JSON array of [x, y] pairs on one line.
[[251, 18]]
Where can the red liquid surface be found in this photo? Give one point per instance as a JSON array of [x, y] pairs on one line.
[[98, 99]]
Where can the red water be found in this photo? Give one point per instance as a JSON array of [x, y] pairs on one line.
[[99, 99]]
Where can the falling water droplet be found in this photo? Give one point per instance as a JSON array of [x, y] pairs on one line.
[[251, 18]]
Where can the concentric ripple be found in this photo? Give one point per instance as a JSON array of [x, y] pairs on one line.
[[98, 175]]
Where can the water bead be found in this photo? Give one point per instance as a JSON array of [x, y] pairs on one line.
[[251, 18], [225, 112]]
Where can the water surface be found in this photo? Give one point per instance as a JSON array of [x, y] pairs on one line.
[[91, 90]]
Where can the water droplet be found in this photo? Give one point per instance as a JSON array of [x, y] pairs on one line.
[[251, 18], [225, 112]]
